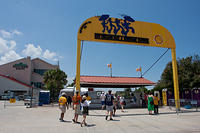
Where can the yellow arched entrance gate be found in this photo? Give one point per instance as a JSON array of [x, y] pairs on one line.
[[126, 31]]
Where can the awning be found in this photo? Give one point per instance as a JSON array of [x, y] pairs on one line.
[[114, 82]]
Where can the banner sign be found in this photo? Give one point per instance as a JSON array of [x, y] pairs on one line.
[[20, 66], [126, 31]]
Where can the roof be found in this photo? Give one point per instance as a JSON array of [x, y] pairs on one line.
[[71, 89], [113, 82], [45, 62], [15, 80]]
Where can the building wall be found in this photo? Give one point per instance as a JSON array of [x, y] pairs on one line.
[[23, 75], [38, 68], [40, 64], [9, 85], [31, 74]]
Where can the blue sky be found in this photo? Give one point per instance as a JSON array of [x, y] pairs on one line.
[[48, 29]]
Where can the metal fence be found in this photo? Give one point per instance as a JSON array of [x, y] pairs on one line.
[[7, 103], [185, 104]]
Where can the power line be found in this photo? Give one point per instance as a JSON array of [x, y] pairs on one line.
[[155, 62]]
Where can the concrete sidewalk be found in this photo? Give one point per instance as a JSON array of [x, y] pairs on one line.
[[19, 119]]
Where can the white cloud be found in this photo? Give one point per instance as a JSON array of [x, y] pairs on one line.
[[12, 44], [16, 32], [50, 55], [5, 34], [32, 51], [6, 46], [9, 56]]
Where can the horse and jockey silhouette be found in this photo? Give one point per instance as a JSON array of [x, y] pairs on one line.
[[115, 26]]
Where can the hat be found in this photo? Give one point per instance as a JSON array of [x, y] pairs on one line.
[[84, 97], [63, 94]]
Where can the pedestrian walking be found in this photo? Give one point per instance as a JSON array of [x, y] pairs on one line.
[[109, 104], [122, 103], [89, 99], [62, 106], [85, 106], [156, 100], [115, 102], [150, 103], [69, 101], [103, 97], [76, 106]]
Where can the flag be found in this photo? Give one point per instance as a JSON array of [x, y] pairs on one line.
[[109, 65], [139, 69]]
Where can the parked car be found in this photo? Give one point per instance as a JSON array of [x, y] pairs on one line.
[[27, 101], [5, 97], [21, 97]]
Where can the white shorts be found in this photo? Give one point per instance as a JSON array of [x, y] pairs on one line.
[[62, 108], [109, 108]]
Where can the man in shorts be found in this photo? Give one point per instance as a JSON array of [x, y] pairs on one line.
[[76, 106], [62, 106], [109, 104], [102, 97]]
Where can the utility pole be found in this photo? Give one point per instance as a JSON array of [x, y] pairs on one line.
[[31, 102]]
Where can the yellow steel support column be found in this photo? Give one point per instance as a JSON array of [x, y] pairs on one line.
[[175, 77], [78, 63]]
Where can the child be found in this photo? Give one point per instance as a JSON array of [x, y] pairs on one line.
[[85, 105]]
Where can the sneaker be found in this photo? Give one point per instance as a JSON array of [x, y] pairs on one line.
[[62, 121], [106, 117], [73, 120], [111, 119]]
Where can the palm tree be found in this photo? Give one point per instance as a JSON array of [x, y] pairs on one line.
[[55, 80]]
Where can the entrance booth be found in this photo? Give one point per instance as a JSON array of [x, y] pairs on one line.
[[126, 31], [114, 82]]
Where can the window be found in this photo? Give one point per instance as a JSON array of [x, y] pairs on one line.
[[40, 71], [37, 84]]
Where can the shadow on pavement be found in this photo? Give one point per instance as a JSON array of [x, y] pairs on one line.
[[66, 121], [91, 125], [143, 114]]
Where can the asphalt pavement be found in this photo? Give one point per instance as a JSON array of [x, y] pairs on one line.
[[45, 119]]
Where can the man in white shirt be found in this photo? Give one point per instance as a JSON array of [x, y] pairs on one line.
[[102, 97]]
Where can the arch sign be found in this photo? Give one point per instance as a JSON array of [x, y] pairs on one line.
[[126, 31]]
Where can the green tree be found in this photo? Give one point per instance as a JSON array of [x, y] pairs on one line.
[[72, 84], [127, 92], [142, 89], [188, 74], [55, 80]]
